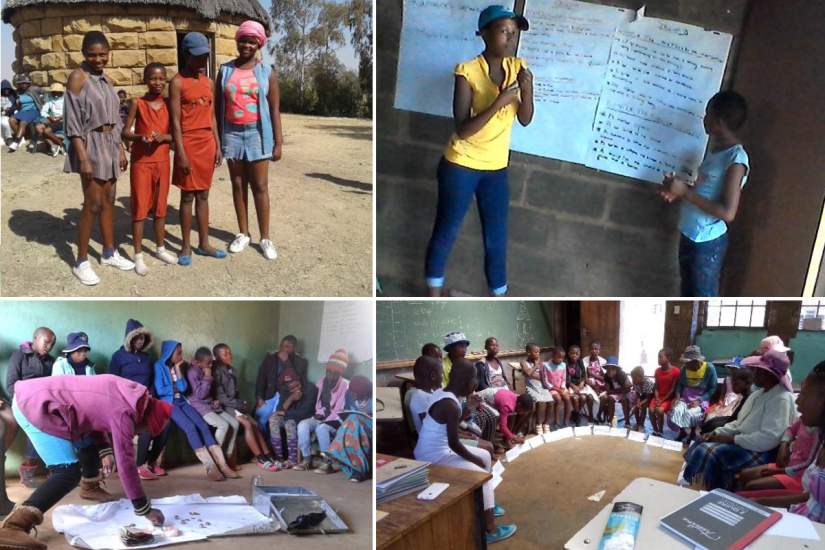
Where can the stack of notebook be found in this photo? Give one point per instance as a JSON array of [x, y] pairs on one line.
[[398, 476]]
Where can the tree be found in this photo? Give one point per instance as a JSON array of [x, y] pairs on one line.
[[359, 22], [308, 28]]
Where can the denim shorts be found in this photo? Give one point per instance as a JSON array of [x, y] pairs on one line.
[[243, 142]]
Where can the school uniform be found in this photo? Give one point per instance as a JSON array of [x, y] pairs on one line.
[[196, 114]]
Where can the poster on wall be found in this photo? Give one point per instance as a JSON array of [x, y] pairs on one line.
[[347, 325]]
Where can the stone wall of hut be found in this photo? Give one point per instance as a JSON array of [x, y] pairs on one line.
[[48, 39]]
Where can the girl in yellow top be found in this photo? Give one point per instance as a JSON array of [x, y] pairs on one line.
[[491, 90]]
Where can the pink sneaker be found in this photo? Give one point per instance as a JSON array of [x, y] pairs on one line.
[[146, 474], [158, 471]]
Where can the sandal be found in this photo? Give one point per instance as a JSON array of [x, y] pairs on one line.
[[502, 532], [219, 254]]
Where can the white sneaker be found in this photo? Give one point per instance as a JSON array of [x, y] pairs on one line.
[[13, 146], [268, 248], [166, 256], [241, 241], [118, 261], [86, 274], [680, 479], [55, 149], [140, 266]]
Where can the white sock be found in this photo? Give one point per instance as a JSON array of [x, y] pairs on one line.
[[140, 267]]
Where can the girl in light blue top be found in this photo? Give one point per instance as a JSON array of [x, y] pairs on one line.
[[711, 202]]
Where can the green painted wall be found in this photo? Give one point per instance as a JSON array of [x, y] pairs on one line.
[[724, 343], [809, 349], [403, 327], [303, 320], [808, 346]]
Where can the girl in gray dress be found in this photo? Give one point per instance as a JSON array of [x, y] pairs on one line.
[[93, 127]]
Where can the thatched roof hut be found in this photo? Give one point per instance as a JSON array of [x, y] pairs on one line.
[[48, 33]]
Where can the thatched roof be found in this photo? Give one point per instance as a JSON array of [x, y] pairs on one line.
[[209, 9]]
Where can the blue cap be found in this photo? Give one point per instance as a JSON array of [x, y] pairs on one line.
[[194, 43], [494, 13], [612, 360], [76, 341]]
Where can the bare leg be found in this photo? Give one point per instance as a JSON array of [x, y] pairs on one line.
[[21, 129], [137, 235], [568, 408], [249, 436], [160, 230], [186, 200], [259, 174], [107, 214], [93, 198], [202, 213], [240, 187]]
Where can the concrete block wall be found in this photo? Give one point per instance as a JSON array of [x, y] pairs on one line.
[[573, 231], [48, 39]]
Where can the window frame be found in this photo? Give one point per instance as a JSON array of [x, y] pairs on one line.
[[738, 303], [820, 310]]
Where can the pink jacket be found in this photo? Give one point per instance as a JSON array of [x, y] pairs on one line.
[[336, 401], [804, 442], [70, 407]]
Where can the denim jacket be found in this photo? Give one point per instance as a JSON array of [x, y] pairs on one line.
[[262, 73]]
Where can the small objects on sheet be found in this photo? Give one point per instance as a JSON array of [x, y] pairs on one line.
[[171, 531], [133, 536], [306, 521]]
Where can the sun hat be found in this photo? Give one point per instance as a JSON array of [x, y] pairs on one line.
[[692, 353], [775, 362], [455, 338]]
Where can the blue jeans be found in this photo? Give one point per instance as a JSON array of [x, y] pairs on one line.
[[456, 187], [324, 433], [192, 425], [262, 415], [700, 265]]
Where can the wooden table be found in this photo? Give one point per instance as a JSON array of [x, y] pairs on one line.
[[391, 398], [659, 499], [453, 520]]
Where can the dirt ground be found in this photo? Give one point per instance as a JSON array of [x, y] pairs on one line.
[[321, 224], [351, 501]]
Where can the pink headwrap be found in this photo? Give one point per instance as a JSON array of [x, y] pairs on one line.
[[253, 29]]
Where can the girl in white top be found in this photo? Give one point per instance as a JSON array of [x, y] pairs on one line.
[[439, 443]]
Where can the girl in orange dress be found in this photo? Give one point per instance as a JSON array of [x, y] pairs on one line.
[[196, 144]]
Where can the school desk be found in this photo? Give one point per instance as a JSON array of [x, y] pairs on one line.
[[388, 404], [659, 499], [453, 520]]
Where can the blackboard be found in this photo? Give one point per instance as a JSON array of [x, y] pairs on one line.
[[403, 327]]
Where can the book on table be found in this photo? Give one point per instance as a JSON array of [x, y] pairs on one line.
[[720, 520], [395, 476]]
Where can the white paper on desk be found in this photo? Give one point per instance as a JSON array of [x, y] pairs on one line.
[[512, 454], [583, 431], [618, 432], [793, 526], [97, 526], [636, 436], [655, 441], [671, 445], [498, 469], [601, 430], [534, 442]]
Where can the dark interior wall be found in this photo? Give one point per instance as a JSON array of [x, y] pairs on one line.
[[780, 73], [573, 230]]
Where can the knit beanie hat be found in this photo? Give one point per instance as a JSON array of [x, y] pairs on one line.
[[338, 361]]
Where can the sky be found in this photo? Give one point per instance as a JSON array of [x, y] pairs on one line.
[[346, 54]]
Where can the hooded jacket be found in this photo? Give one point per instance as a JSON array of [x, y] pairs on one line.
[[71, 407], [25, 364], [62, 367], [201, 396], [164, 388], [226, 388], [134, 365]]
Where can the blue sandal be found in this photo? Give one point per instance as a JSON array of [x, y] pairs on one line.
[[184, 260], [498, 511], [502, 532], [219, 254]]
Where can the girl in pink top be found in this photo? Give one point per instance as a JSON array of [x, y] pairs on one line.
[[554, 378], [796, 452]]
